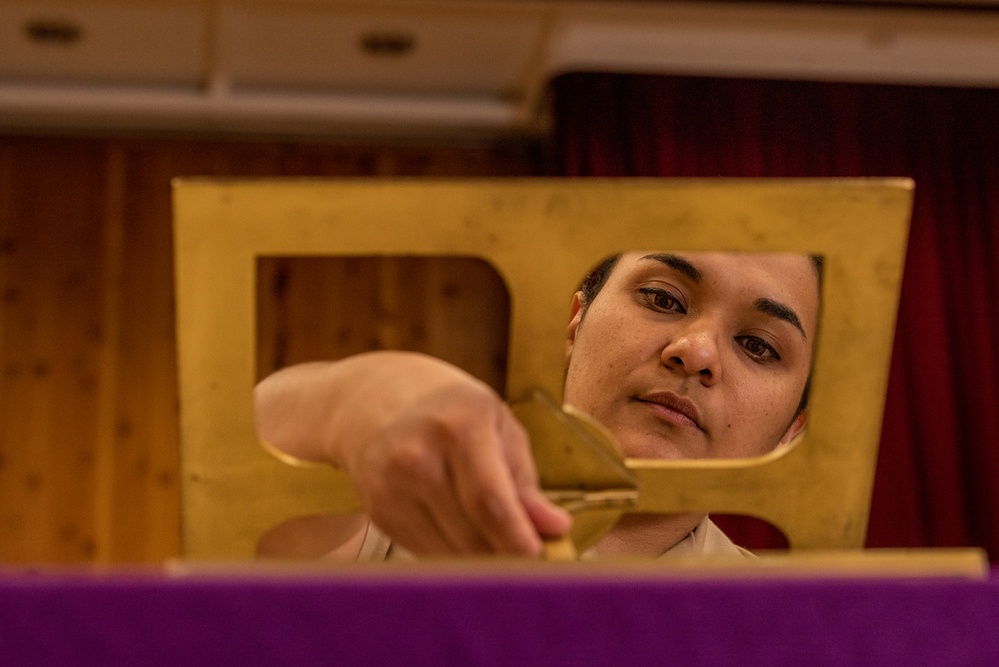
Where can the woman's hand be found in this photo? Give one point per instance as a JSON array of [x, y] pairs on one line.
[[438, 459]]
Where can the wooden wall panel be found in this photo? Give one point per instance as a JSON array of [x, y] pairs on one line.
[[51, 334], [89, 466], [328, 308]]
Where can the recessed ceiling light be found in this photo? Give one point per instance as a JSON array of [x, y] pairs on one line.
[[53, 31], [387, 43]]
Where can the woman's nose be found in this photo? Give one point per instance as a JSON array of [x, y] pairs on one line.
[[694, 352]]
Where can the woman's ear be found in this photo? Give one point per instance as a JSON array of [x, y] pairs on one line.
[[575, 316], [796, 427]]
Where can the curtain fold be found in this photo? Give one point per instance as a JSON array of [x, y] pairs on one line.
[[936, 483]]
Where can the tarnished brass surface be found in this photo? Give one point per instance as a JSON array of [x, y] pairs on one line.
[[541, 236], [580, 467], [965, 563]]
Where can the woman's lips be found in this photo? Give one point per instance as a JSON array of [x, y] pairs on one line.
[[672, 408]]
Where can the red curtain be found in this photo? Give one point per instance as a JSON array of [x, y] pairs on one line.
[[938, 472]]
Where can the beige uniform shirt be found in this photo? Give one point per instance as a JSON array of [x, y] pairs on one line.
[[706, 539]]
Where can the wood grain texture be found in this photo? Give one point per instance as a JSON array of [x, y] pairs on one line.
[[88, 391]]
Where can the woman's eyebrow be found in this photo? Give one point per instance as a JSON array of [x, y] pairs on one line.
[[764, 305], [780, 311], [678, 263]]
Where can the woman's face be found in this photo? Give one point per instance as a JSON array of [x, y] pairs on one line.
[[696, 355]]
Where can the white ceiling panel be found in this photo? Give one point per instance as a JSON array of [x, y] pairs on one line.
[[136, 42], [465, 51]]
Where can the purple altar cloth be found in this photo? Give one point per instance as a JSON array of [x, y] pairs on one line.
[[66, 619]]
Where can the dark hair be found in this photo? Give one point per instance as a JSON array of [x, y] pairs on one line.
[[596, 279], [818, 261]]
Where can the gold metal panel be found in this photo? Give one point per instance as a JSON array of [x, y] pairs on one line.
[[541, 236]]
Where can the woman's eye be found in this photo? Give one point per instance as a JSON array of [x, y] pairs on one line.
[[660, 299], [759, 348]]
